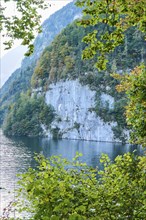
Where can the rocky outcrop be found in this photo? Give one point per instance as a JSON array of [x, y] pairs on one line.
[[76, 119]]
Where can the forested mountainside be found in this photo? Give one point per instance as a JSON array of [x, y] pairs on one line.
[[62, 59], [27, 115], [19, 81], [85, 102]]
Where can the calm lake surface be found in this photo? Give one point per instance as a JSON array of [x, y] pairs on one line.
[[17, 155]]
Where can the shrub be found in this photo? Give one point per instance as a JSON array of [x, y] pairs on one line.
[[59, 189]]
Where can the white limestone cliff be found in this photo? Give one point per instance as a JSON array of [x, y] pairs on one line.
[[74, 104]]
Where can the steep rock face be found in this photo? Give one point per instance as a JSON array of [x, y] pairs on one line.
[[76, 119]]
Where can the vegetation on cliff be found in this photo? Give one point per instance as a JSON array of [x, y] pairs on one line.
[[62, 190], [115, 18], [62, 60], [134, 85], [118, 17], [19, 81], [27, 115]]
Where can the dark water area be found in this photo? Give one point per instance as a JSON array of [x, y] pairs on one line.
[[17, 155]]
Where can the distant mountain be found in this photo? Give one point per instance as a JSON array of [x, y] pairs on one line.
[[10, 62], [20, 79]]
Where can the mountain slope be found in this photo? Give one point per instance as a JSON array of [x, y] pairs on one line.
[[20, 79], [86, 103], [62, 75]]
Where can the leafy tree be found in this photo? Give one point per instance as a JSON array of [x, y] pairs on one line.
[[24, 24], [59, 189], [115, 17], [134, 85], [27, 115]]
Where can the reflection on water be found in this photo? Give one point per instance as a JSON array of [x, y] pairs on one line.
[[16, 156], [91, 150]]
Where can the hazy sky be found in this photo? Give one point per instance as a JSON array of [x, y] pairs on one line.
[[11, 10]]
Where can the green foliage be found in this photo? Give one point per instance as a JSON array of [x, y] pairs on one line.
[[59, 189], [119, 134], [62, 60], [2, 113], [115, 17], [134, 85], [20, 79], [25, 25], [26, 116], [18, 82], [77, 126]]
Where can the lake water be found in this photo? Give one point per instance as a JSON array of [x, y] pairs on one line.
[[17, 155]]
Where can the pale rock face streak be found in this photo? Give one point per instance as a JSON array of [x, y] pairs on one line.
[[74, 104]]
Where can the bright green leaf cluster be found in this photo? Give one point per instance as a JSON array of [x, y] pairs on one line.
[[134, 84], [59, 189]]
